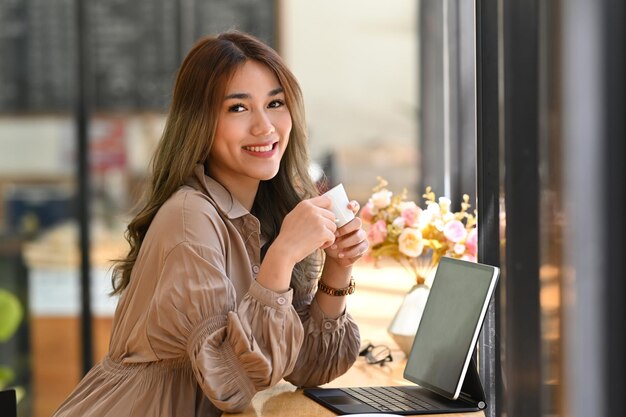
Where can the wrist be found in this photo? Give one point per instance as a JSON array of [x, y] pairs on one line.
[[276, 269], [335, 274], [279, 258], [283, 251]]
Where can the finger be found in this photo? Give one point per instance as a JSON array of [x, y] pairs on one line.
[[312, 208], [354, 206], [322, 201], [330, 240], [359, 250], [346, 243], [355, 239], [354, 252], [350, 227], [326, 244], [328, 216], [329, 236], [329, 222], [318, 205]]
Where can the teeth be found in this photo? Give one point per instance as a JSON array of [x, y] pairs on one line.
[[258, 148]]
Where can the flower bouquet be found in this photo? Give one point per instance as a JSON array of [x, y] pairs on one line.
[[414, 237]]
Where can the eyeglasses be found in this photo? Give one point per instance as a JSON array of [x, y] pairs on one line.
[[375, 354]]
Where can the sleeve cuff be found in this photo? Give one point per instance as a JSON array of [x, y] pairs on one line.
[[326, 324], [279, 301]]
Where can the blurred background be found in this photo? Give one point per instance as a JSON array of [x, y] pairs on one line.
[[504, 101]]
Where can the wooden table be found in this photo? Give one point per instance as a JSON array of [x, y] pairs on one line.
[[285, 400]]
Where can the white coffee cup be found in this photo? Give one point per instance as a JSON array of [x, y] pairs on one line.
[[340, 205]]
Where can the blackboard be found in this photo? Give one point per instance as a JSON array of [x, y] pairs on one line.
[[12, 60], [134, 48]]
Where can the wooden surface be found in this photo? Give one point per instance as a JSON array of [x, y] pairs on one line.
[[56, 364], [284, 400]]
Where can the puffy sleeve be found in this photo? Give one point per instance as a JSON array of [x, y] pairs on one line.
[[235, 351], [330, 345]]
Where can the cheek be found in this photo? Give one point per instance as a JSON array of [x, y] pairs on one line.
[[285, 125], [223, 137], [226, 129]]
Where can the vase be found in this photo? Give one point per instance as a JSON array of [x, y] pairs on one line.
[[404, 324]]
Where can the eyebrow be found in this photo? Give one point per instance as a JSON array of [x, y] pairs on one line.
[[241, 96]]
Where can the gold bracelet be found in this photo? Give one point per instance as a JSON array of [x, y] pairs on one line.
[[337, 291]]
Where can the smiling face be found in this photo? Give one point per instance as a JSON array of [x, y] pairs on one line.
[[252, 131]]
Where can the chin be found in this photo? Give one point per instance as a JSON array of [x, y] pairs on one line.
[[267, 175]]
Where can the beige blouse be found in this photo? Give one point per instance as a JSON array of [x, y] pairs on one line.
[[194, 333]]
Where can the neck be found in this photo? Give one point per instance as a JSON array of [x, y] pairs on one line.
[[243, 191], [245, 195]]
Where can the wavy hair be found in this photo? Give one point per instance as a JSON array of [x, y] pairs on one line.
[[189, 133]]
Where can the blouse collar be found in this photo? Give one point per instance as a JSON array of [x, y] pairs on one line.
[[222, 198]]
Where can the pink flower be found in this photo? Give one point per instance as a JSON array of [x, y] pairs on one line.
[[471, 243], [366, 213], [377, 233], [410, 212], [410, 243], [454, 231]]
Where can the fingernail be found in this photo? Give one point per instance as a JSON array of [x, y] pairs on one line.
[[341, 255]]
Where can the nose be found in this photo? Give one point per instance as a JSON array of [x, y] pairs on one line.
[[262, 125]]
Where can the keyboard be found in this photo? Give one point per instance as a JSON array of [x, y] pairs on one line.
[[398, 399]]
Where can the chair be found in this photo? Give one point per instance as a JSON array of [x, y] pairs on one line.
[[8, 403]]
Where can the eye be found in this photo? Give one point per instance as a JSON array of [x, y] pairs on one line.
[[274, 104], [236, 108]]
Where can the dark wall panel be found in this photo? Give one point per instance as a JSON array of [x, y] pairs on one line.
[[135, 48]]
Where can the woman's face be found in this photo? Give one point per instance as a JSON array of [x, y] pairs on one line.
[[253, 128]]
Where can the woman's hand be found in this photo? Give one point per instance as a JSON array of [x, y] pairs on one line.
[[350, 242], [309, 226]]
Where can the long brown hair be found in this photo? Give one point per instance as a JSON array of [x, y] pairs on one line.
[[188, 136]]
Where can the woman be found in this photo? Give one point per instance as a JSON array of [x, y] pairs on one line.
[[218, 291]]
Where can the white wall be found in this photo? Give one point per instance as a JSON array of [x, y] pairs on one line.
[[356, 61], [35, 146]]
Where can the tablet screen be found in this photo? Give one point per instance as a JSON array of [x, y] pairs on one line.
[[450, 324]]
